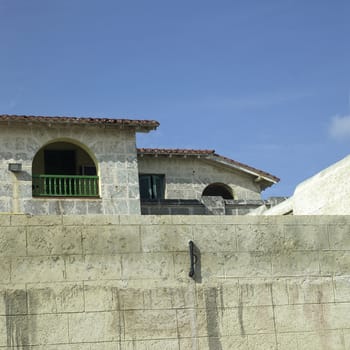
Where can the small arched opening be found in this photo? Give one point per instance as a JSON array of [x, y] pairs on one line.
[[219, 190], [64, 169]]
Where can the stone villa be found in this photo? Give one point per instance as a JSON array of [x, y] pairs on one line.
[[59, 165]]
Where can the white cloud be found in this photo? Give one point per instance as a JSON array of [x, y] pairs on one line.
[[340, 127]]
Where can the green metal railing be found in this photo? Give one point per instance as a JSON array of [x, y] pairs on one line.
[[65, 186]]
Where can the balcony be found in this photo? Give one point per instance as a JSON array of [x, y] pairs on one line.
[[65, 186]]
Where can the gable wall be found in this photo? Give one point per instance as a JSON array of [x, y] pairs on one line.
[[186, 178], [121, 282], [114, 151]]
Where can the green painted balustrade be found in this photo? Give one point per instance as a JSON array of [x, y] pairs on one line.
[[65, 186]]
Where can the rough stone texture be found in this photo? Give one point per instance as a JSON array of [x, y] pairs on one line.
[[114, 152], [121, 282], [186, 178], [213, 206]]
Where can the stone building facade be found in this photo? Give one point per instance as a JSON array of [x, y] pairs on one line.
[[105, 179], [68, 165], [192, 181]]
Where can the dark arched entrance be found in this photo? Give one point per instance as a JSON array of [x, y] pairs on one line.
[[218, 189], [65, 169]]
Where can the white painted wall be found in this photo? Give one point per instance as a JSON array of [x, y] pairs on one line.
[[326, 193]]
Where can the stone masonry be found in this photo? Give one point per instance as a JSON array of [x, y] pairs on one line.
[[114, 152], [121, 282], [186, 178]]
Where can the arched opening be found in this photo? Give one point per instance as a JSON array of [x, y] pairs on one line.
[[64, 168], [218, 189]]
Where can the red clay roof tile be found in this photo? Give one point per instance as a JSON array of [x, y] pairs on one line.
[[137, 124]]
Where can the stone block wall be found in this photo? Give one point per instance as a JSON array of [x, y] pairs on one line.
[[121, 282], [186, 178], [113, 150]]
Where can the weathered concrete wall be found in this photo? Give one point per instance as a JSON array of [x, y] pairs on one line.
[[121, 282], [113, 150], [186, 178]]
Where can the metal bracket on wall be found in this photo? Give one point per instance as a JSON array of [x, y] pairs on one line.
[[193, 259]]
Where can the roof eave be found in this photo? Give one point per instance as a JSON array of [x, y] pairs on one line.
[[257, 174], [137, 125]]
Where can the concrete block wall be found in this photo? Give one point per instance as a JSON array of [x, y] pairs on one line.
[[121, 282]]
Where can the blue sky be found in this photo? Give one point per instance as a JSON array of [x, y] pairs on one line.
[[266, 83]]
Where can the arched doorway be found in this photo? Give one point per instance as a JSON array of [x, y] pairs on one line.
[[64, 169], [218, 189]]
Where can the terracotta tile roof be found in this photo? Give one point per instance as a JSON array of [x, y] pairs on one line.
[[211, 155], [175, 151], [142, 125]]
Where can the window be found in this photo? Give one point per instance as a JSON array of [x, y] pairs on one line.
[[152, 186]]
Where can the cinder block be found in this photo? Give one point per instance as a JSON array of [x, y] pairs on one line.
[[219, 294], [13, 300], [215, 238], [335, 262], [34, 330], [140, 325], [330, 340], [248, 264], [165, 238], [306, 237], [336, 316], [93, 267], [209, 266], [256, 319], [287, 341], [95, 327], [306, 290], [255, 292], [5, 220], [111, 239], [54, 240], [296, 264], [341, 288], [37, 269], [55, 298], [299, 318], [224, 322], [49, 329], [262, 342], [339, 237], [101, 296], [147, 266], [264, 238], [12, 241]]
